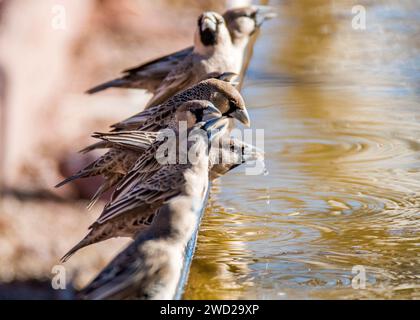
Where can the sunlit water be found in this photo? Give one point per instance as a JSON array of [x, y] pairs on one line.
[[341, 113]]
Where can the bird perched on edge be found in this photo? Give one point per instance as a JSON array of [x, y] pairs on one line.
[[114, 164], [222, 158], [225, 156], [151, 267], [117, 220], [212, 52]]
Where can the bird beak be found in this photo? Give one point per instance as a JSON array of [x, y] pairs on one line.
[[216, 127], [242, 116], [227, 76], [263, 13], [207, 23]]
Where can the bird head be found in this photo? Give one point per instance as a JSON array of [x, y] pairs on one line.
[[238, 152], [196, 111], [231, 153], [243, 22], [250, 152], [203, 114], [211, 32], [228, 100]]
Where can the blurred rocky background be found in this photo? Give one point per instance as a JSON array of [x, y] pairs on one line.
[[46, 63]]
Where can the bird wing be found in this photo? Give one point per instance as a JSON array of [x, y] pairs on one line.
[[166, 183], [145, 167], [136, 120], [152, 119], [181, 77], [108, 164], [147, 76], [162, 65], [94, 146], [136, 140], [113, 278]]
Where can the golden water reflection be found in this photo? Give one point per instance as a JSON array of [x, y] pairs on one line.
[[341, 111]]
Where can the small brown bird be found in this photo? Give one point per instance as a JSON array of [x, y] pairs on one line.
[[116, 162], [241, 24], [140, 176], [223, 158], [221, 93], [152, 266], [213, 53]]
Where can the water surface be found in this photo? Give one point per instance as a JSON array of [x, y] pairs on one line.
[[340, 108]]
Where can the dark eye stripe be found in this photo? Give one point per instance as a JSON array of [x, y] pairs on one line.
[[199, 114], [232, 106]]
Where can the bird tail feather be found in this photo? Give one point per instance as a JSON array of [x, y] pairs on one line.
[[73, 250], [97, 145], [117, 83], [69, 179]]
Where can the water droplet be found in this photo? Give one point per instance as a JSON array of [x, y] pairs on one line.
[[265, 172]]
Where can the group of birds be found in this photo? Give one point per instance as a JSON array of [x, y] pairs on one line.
[[159, 204]]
